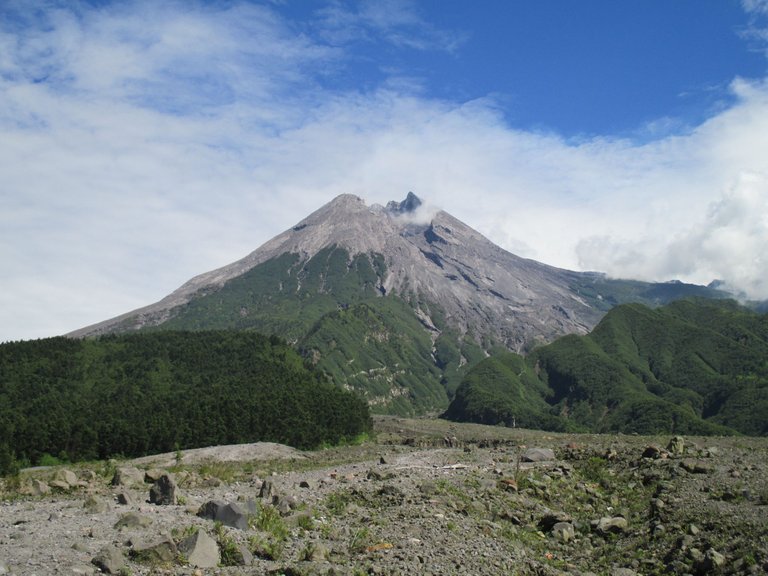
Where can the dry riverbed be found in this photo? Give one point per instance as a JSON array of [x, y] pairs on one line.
[[426, 497]]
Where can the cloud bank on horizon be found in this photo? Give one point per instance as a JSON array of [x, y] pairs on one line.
[[144, 142]]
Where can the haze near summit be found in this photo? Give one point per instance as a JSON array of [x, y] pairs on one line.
[[145, 142]]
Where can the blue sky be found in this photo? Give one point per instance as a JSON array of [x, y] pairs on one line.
[[144, 142]]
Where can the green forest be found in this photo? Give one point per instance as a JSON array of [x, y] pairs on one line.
[[693, 367], [131, 395]]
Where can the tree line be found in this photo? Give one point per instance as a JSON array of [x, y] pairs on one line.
[[137, 394]]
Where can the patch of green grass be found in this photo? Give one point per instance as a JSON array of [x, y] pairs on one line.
[[268, 519], [337, 502], [594, 469], [360, 540], [227, 472], [230, 553], [265, 547]]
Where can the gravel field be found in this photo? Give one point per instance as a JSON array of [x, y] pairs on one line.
[[424, 497]]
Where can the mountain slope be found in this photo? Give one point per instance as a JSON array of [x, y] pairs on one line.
[[689, 367], [439, 297]]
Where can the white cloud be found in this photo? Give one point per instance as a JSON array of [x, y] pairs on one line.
[[166, 140]]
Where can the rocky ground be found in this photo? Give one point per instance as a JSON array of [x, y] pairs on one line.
[[425, 497]]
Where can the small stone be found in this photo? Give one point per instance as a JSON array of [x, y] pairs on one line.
[[713, 560], [564, 531], [133, 520], [95, 505]]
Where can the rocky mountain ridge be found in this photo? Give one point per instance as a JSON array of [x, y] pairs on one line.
[[479, 285], [394, 301]]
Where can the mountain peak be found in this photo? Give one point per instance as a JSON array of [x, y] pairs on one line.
[[410, 204]]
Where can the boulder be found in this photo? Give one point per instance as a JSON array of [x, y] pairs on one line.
[[95, 505], [125, 498], [110, 560], [676, 446], [128, 476], [158, 551], [695, 466], [200, 550], [163, 491], [564, 531], [133, 520], [713, 560], [610, 525], [59, 485], [267, 489], [67, 477], [654, 452], [538, 455], [550, 519], [153, 475], [231, 514], [39, 488]]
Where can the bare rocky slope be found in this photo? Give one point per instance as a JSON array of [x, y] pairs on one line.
[[424, 497], [434, 258]]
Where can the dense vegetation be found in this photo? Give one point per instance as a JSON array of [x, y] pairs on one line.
[[153, 392], [334, 308], [693, 366]]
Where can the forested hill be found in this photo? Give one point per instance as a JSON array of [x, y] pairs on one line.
[[693, 366], [146, 393]]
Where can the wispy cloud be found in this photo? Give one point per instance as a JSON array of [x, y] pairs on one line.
[[144, 142], [396, 22]]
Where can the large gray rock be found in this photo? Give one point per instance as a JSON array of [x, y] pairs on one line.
[[538, 455], [610, 525], [231, 514], [156, 551], [110, 560], [163, 491], [39, 488], [676, 446], [128, 476], [67, 477], [200, 550]]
